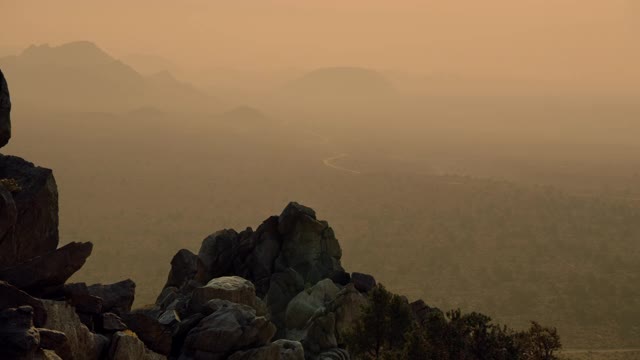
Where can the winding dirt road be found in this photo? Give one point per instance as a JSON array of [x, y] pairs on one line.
[[329, 162]]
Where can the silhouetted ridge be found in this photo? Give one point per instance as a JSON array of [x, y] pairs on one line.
[[83, 77]]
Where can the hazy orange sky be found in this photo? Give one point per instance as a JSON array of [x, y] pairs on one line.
[[510, 38]]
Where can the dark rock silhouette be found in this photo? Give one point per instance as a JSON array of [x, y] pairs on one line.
[[284, 270], [12, 297], [363, 282], [34, 193], [116, 298], [47, 274], [18, 337], [5, 110]]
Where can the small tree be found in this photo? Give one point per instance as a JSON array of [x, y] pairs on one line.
[[380, 331], [543, 342], [416, 346]]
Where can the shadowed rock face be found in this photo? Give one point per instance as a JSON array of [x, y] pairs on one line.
[[5, 109], [47, 273], [34, 199]]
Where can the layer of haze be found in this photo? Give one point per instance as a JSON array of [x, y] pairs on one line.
[[581, 45], [476, 154]]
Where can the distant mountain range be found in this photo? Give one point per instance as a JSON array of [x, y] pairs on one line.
[[79, 76]]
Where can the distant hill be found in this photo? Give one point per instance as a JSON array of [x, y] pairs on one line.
[[341, 85], [147, 64], [80, 76]]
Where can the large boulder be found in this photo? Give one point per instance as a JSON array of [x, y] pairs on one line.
[[230, 288], [35, 195], [52, 339], [277, 350], [19, 339], [12, 297], [184, 267], [125, 345], [89, 307], [283, 287], [216, 255], [262, 259], [156, 336], [308, 245], [5, 110], [363, 282], [112, 322], [116, 298], [46, 273], [231, 327], [81, 343], [307, 303]]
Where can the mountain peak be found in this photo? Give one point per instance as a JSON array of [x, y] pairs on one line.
[[71, 54]]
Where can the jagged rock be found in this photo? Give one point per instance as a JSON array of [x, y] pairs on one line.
[[112, 322], [348, 309], [167, 297], [307, 303], [87, 306], [12, 297], [8, 216], [44, 273], [5, 110], [19, 339], [242, 262], [81, 343], [173, 300], [363, 282], [156, 336], [184, 267], [125, 345], [309, 246], [232, 327], [284, 286], [263, 257], [277, 350], [116, 298], [231, 288], [216, 255], [36, 200], [52, 339]]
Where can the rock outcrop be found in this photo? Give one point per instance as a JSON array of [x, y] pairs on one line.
[[47, 273], [283, 281], [19, 339], [34, 195], [5, 110]]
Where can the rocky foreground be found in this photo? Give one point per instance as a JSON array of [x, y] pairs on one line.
[[278, 292]]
